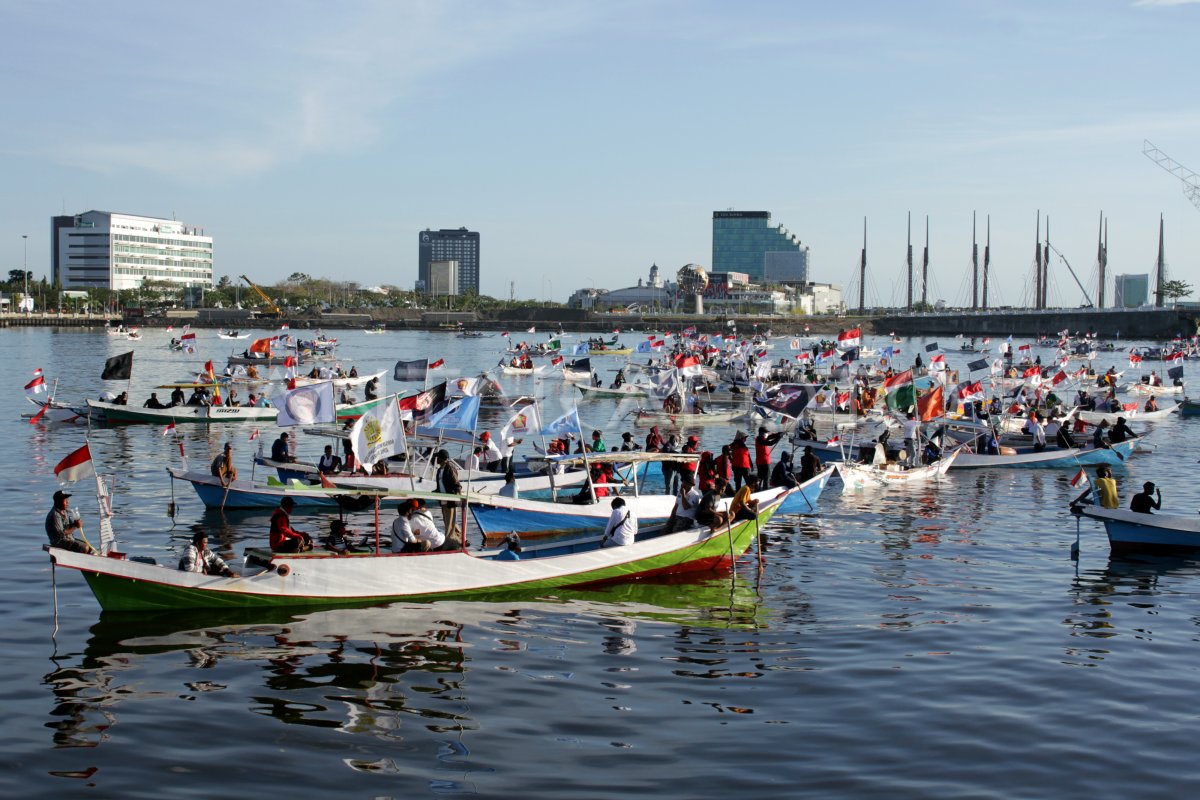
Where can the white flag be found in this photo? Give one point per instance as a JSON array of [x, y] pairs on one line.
[[306, 405], [526, 421], [378, 433]]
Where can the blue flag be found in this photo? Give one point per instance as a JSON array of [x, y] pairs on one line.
[[644, 347], [581, 349], [567, 423], [461, 415]]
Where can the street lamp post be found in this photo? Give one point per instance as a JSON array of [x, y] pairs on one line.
[[25, 269]]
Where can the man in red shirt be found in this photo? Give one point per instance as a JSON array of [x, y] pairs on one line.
[[740, 454], [284, 538], [762, 453]]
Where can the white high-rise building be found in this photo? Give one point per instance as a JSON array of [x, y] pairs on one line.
[[100, 249]]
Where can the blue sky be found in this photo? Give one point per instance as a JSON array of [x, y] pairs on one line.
[[586, 140]]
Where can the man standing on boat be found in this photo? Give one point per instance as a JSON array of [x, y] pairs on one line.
[[912, 435], [762, 453], [741, 459], [447, 483], [61, 525]]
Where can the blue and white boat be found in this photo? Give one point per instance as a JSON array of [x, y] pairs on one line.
[[1132, 531]]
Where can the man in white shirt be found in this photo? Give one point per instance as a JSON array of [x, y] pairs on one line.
[[1039, 433], [402, 532], [506, 452], [414, 531], [622, 525], [491, 453], [472, 462], [683, 516], [509, 489]]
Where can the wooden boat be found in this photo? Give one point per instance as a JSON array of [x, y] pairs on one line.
[[133, 336], [1158, 391], [625, 390], [1051, 457], [59, 412], [507, 370], [646, 417], [622, 351], [576, 376], [323, 578], [1095, 417], [1189, 407], [232, 335], [1133, 531], [472, 335], [856, 477], [113, 413]]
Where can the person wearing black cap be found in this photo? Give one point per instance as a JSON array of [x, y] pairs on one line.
[[447, 483], [1143, 503], [61, 525], [762, 453], [627, 443]]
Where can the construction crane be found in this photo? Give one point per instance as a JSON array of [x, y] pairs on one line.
[[272, 309], [1191, 181]]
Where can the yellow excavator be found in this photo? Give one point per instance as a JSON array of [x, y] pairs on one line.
[[272, 309]]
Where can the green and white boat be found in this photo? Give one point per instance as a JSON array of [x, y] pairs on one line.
[[318, 578], [118, 414]]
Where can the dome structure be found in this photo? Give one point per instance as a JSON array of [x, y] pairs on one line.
[[693, 279]]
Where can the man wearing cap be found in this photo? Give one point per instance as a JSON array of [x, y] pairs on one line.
[[491, 453], [762, 453], [222, 466], [740, 455], [284, 538], [60, 526], [628, 445], [447, 483]]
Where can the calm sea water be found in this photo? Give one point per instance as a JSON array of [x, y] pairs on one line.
[[939, 643]]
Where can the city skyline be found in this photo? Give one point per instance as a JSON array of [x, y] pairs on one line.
[[587, 141]]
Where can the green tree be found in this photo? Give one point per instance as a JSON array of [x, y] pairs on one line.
[[1171, 290]]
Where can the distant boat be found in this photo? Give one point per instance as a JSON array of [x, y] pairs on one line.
[[232, 335]]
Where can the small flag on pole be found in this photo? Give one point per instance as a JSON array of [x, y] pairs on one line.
[[1079, 478], [169, 429], [441, 362], [254, 434], [75, 466]]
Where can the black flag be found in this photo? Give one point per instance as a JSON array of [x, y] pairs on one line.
[[118, 368], [1175, 373], [789, 399], [980, 363], [411, 370], [929, 348]]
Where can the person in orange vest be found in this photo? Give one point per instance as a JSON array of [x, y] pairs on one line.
[[741, 459], [762, 453]]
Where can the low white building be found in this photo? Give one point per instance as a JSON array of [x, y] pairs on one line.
[[104, 250]]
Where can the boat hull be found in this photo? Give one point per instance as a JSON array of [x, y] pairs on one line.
[[209, 414], [1129, 531], [321, 579]]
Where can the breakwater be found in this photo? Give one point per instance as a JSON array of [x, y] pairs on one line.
[[1133, 323]]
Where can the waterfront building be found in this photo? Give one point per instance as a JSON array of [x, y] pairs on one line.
[[443, 278], [1131, 291], [449, 244], [747, 242], [650, 295], [106, 250]]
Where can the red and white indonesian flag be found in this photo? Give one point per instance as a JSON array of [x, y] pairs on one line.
[[850, 338], [1080, 477], [938, 362], [254, 434], [554, 362], [1134, 359], [1174, 358], [1033, 372], [441, 362], [169, 429], [1023, 348], [75, 466], [805, 356], [1058, 378], [188, 337], [970, 392], [987, 340], [688, 365], [37, 385], [898, 380]]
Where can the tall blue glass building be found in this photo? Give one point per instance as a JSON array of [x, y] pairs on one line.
[[745, 241]]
